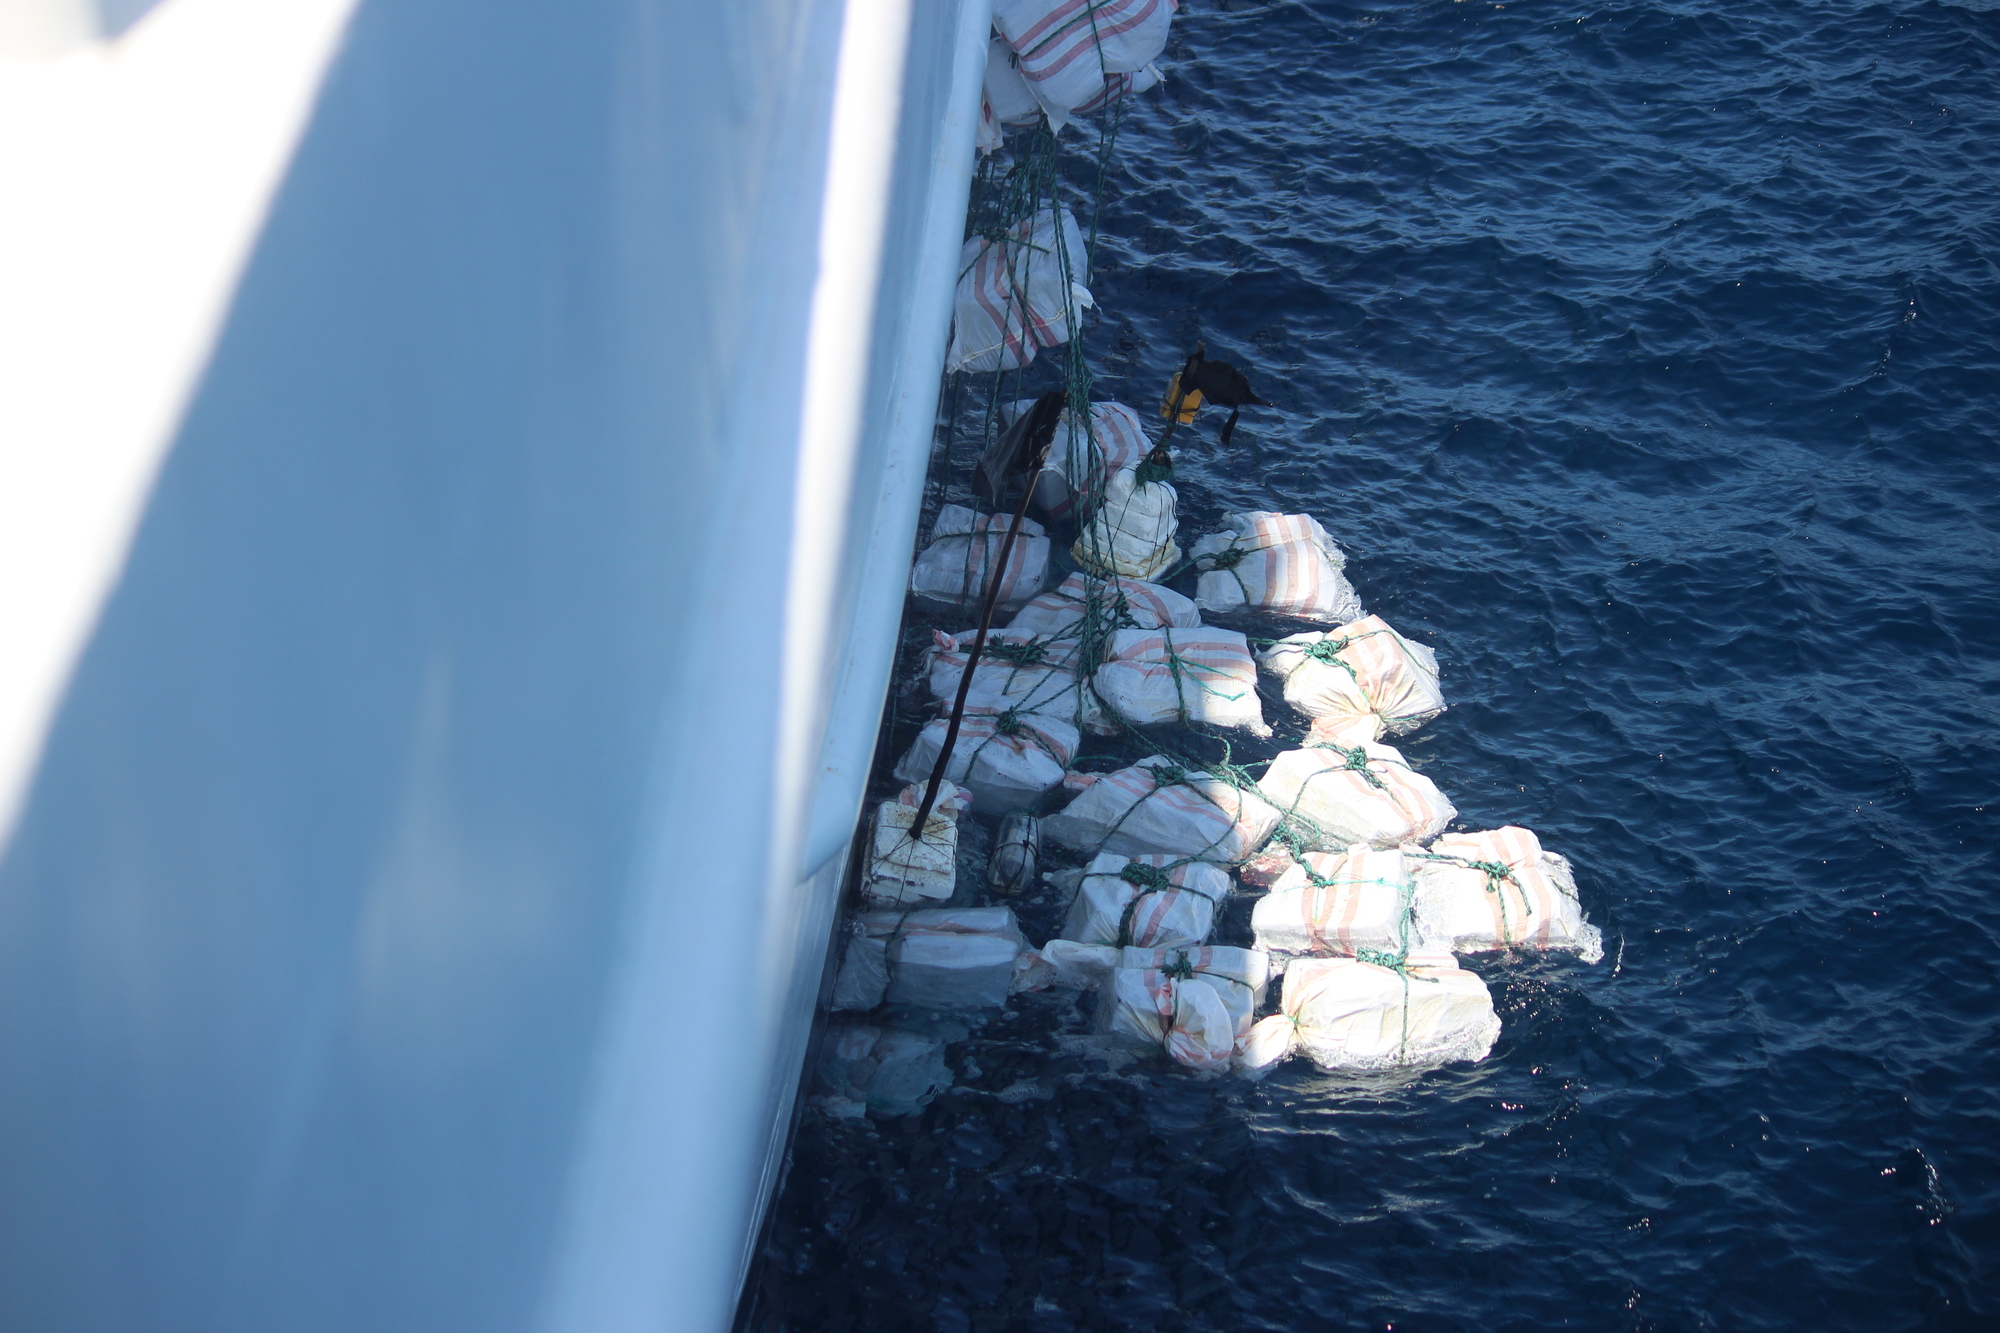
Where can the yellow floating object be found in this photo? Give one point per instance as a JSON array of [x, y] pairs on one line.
[[1189, 404]]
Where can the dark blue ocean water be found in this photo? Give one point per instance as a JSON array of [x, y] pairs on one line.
[[1646, 358]]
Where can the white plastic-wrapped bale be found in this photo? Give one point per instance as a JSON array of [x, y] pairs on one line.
[[1132, 533], [1006, 102], [1023, 671], [1150, 901], [1237, 975], [1500, 890], [1080, 462], [1017, 293], [1344, 1013], [889, 1071], [1115, 603], [1182, 675], [1362, 681], [1067, 47], [1341, 795], [906, 870], [1184, 1016], [1118, 87], [1007, 760], [945, 958], [964, 547], [1284, 564], [1337, 903], [1158, 806]]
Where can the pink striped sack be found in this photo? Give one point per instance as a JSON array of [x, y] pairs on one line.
[[1017, 295], [1157, 806], [1148, 901], [1334, 903], [1005, 759], [1281, 563], [953, 568], [1237, 975], [1499, 889], [1338, 796], [1182, 675], [1067, 47], [1028, 673], [1359, 682], [1183, 1016], [1006, 102], [1116, 441]]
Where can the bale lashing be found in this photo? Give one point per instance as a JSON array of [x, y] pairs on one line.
[[1132, 532], [1115, 604], [1376, 1012], [963, 551], [1339, 795], [1160, 806], [1500, 889], [1281, 564], [1149, 900], [1182, 675], [1065, 48], [1336, 904], [1359, 682], [1024, 671]]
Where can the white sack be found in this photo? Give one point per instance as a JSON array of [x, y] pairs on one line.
[[1336, 903], [1001, 681], [947, 958], [1500, 889], [1005, 759], [1118, 87], [965, 545], [902, 870], [1280, 563], [1362, 680], [1116, 603], [1080, 463], [1182, 675], [1132, 532], [1067, 47], [1006, 101], [1075, 966], [1155, 806], [1016, 294], [1238, 976], [1185, 1018], [1346, 1014], [1366, 793], [1145, 900], [885, 1070]]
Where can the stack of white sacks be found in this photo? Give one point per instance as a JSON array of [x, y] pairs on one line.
[[1368, 895]]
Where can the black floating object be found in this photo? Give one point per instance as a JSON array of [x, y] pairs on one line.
[[1222, 384], [1001, 466]]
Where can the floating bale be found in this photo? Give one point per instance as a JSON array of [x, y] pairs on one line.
[[1238, 976], [1007, 759], [1115, 603], [1336, 904], [1149, 900], [1081, 462], [1342, 795], [1024, 671], [1280, 563], [944, 958], [1017, 292], [1498, 890], [1158, 806], [1178, 1013], [964, 547], [1006, 102], [1015, 851], [863, 1067], [1182, 675], [1359, 682], [1064, 49], [906, 870], [1132, 533], [1351, 1013]]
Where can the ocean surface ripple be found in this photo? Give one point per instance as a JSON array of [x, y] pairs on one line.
[[1646, 359]]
